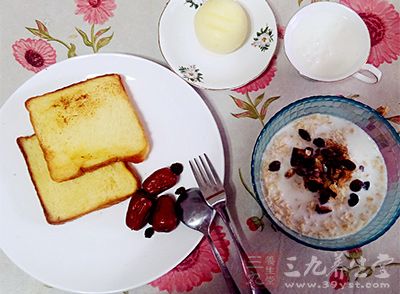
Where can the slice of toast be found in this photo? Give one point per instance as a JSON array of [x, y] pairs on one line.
[[69, 200], [87, 125]]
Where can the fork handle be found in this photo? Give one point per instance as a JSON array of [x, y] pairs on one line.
[[250, 273], [233, 288]]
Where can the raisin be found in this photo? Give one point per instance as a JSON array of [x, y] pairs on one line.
[[304, 135], [356, 185], [323, 197], [149, 232], [180, 190], [348, 164], [353, 200], [362, 168], [176, 168], [313, 185], [366, 185], [319, 142], [274, 166]]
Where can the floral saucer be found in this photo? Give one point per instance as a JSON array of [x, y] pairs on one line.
[[205, 69]]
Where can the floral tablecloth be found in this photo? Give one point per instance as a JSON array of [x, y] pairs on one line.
[[38, 33]]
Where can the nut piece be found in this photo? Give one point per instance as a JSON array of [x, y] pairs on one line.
[[290, 172], [383, 110]]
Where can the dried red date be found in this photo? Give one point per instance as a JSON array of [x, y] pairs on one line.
[[162, 179], [164, 217], [139, 210]]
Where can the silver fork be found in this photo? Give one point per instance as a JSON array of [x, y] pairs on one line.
[[213, 190]]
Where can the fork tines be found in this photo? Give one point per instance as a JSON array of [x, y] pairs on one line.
[[206, 176]]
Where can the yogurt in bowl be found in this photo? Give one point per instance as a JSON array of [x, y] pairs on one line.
[[326, 172]]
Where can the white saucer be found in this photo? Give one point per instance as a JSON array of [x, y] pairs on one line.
[[204, 69]]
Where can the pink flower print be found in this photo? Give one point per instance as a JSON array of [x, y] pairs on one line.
[[197, 268], [262, 81], [95, 11], [34, 55], [383, 23], [281, 32], [354, 253], [254, 223], [395, 119], [339, 278]]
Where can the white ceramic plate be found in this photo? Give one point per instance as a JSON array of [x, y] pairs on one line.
[[207, 70], [97, 253]]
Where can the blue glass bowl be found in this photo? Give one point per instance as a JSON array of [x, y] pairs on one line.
[[376, 127]]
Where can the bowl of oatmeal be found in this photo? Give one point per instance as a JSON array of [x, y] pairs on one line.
[[326, 171]]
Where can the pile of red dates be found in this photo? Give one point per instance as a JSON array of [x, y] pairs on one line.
[[147, 207]]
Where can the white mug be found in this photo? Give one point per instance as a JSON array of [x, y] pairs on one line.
[[328, 42]]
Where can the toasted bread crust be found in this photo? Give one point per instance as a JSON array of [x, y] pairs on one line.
[[28, 101], [42, 203], [134, 157], [137, 158], [21, 148]]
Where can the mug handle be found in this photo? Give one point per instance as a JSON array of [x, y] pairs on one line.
[[373, 70]]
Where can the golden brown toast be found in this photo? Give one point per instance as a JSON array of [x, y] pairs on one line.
[[71, 199], [87, 125]]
